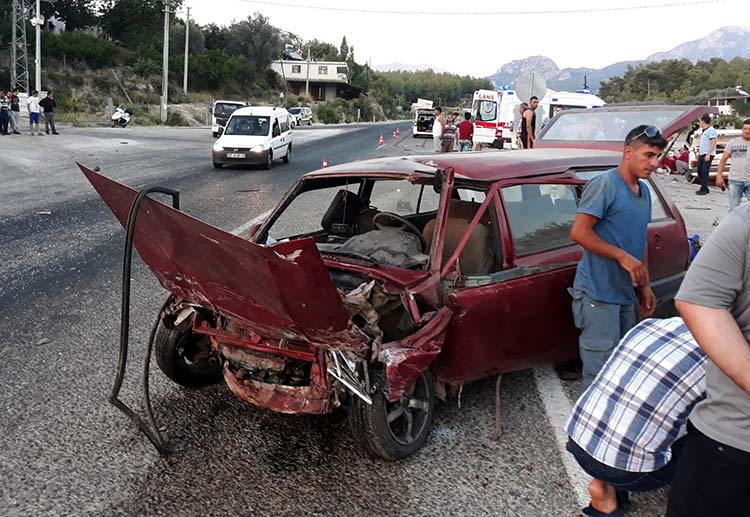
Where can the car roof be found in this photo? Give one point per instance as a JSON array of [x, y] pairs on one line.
[[261, 111], [482, 166]]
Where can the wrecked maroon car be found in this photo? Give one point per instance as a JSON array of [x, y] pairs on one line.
[[379, 286]]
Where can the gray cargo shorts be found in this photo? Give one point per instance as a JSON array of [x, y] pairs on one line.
[[602, 326]]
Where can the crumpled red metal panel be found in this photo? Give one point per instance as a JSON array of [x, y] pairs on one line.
[[281, 292], [405, 360]]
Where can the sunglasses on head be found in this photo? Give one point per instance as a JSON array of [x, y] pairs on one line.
[[649, 131]]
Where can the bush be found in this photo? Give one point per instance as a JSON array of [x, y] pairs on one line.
[[72, 102], [146, 66], [327, 113], [175, 118]]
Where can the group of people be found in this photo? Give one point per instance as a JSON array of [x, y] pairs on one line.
[[10, 113], [666, 401], [449, 135]]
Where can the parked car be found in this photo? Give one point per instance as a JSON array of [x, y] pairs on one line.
[[723, 137], [380, 286], [301, 115], [254, 135], [422, 124], [220, 113]]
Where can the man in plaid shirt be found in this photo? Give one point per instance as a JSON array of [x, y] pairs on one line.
[[627, 428]]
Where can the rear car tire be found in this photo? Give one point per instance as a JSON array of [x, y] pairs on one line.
[[410, 418], [288, 156], [269, 160], [186, 357], [218, 165]]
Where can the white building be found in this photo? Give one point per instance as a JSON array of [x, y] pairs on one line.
[[327, 79]]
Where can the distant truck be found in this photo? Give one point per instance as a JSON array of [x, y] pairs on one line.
[[220, 113], [496, 112]]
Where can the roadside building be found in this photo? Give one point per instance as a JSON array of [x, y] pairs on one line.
[[327, 80]]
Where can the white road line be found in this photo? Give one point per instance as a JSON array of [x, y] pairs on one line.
[[245, 227], [558, 408]]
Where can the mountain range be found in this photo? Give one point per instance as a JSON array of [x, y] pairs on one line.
[[725, 43]]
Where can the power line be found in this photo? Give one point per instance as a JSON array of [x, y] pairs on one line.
[[686, 3]]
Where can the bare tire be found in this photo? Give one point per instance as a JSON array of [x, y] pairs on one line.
[[394, 430], [269, 160], [288, 156], [186, 357]]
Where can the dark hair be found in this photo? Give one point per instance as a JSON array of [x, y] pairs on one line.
[[706, 118], [746, 122], [638, 134], [534, 98], [455, 113], [467, 116], [439, 109]]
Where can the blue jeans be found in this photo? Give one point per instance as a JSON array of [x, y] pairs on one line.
[[464, 145], [736, 190], [624, 480], [602, 326], [704, 167]]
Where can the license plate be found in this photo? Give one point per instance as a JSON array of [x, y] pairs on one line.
[[235, 155]]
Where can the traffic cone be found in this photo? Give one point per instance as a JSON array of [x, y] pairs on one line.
[[380, 140], [398, 131], [394, 135], [325, 162]]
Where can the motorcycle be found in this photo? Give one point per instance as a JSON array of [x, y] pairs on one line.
[[121, 117]]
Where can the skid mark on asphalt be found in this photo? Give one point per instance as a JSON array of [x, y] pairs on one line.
[[558, 408]]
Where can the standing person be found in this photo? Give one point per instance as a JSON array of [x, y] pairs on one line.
[[32, 105], [437, 129], [4, 113], [627, 430], [739, 172], [49, 105], [528, 124], [448, 141], [519, 124], [611, 225], [15, 112], [706, 152], [714, 301], [465, 133]]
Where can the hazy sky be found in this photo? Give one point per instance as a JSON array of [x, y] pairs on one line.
[[478, 44]]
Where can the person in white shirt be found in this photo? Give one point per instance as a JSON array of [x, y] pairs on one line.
[[32, 105], [437, 129]]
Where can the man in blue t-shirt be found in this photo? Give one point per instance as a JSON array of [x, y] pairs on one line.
[[611, 225], [706, 152]]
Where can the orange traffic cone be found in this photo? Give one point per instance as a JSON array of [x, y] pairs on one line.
[[325, 162], [380, 140], [394, 135]]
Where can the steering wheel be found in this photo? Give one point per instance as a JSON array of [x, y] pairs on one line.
[[407, 225]]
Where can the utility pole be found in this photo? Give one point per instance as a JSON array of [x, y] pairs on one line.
[[165, 66], [187, 47], [307, 80], [19, 61], [38, 21]]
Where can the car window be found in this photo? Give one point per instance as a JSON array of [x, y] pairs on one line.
[[276, 131], [247, 125], [284, 125], [600, 125], [487, 111], [224, 109], [304, 214], [294, 111], [403, 198], [540, 215], [658, 210]]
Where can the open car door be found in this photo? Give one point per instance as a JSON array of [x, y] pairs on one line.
[[606, 128], [279, 292]]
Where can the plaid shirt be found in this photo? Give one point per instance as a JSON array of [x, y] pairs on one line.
[[638, 405]]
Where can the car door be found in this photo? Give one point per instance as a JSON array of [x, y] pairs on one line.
[[519, 316], [278, 143]]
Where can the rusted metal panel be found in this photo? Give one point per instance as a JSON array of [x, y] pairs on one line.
[[280, 292]]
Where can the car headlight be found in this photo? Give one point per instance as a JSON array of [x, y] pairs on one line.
[[218, 147], [258, 149]]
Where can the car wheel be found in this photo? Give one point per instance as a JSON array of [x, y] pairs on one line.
[[218, 165], [288, 157], [394, 430], [309, 122], [186, 357], [269, 160]]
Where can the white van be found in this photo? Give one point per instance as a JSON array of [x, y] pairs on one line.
[[255, 135], [220, 113], [496, 112], [424, 118]]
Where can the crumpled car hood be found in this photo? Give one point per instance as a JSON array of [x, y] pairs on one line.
[[279, 292]]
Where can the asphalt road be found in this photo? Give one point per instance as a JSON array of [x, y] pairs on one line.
[[64, 450]]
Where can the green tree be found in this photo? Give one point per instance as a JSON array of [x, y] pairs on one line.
[[77, 14], [135, 23]]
